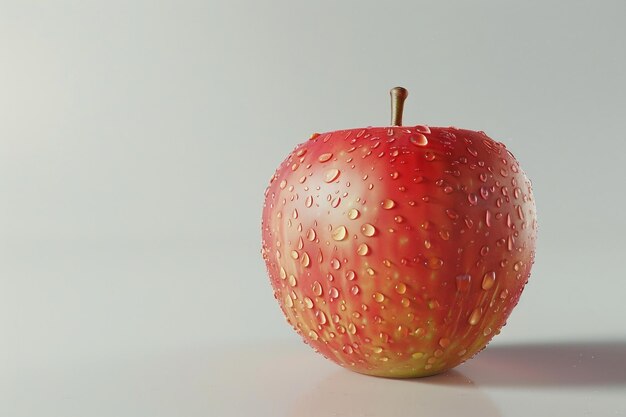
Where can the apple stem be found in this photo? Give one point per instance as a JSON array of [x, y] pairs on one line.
[[398, 95]]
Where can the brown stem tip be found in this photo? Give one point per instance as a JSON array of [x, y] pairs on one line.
[[398, 95]]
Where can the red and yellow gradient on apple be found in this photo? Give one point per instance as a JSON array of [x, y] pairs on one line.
[[399, 251]]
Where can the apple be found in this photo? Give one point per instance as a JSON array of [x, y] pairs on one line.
[[398, 251]]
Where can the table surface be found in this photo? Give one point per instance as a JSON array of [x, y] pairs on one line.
[[577, 378]]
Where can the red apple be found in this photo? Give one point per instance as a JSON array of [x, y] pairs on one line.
[[399, 251]]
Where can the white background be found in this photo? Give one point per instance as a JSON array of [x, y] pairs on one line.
[[137, 139]]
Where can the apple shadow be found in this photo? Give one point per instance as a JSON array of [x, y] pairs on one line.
[[346, 393], [564, 364]]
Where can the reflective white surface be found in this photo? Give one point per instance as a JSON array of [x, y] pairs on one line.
[[537, 379]]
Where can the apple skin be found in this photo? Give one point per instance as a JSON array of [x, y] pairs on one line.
[[399, 251]]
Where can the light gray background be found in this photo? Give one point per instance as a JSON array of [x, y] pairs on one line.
[[137, 139]]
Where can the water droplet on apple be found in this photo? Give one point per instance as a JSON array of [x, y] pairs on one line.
[[308, 302], [355, 289], [363, 249], [351, 328], [463, 282], [484, 192], [311, 235], [419, 332], [333, 293], [331, 175], [474, 317], [317, 288], [325, 157], [434, 263], [400, 288], [488, 280], [306, 261], [368, 230], [350, 275], [378, 297], [353, 213], [336, 201], [288, 301], [417, 355], [488, 218], [292, 280], [453, 215], [419, 140], [321, 317], [340, 233], [388, 204], [313, 335]]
